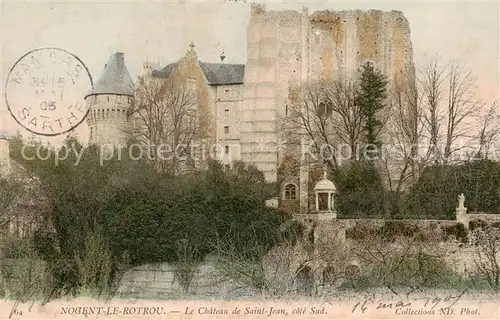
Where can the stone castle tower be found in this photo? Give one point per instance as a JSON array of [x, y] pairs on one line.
[[108, 103], [287, 49]]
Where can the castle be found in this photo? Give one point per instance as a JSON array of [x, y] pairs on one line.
[[246, 103]]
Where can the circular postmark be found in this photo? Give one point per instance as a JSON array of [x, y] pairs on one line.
[[45, 91]]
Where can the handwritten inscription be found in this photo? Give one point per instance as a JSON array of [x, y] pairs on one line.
[[45, 91], [434, 305]]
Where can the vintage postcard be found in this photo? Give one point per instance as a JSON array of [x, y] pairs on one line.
[[232, 159]]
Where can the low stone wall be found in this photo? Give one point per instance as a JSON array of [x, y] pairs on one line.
[[159, 281]]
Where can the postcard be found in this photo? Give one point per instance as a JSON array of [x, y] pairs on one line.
[[232, 159]]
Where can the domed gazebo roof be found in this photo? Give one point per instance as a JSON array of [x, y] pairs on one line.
[[325, 185]]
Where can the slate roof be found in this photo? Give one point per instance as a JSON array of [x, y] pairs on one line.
[[216, 73], [115, 78]]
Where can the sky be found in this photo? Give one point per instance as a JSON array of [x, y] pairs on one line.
[[161, 31]]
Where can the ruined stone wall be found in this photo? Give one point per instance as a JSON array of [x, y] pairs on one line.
[[273, 60], [286, 49], [341, 41]]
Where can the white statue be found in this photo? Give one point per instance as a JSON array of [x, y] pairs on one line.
[[461, 201]]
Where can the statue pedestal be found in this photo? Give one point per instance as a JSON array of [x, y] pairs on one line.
[[327, 216], [461, 216]]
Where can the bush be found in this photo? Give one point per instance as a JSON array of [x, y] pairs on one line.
[[408, 273], [457, 231], [434, 196], [476, 224], [360, 192]]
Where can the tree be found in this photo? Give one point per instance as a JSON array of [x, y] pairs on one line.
[[9, 189], [167, 122], [371, 99], [488, 255], [488, 132], [326, 115], [446, 118], [401, 158]]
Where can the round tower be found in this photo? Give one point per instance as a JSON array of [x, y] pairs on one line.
[[108, 104]]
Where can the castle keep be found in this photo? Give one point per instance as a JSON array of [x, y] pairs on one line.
[[247, 103]]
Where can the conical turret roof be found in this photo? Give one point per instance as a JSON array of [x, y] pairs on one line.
[[115, 78]]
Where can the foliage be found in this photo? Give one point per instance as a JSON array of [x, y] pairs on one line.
[[407, 274], [371, 97], [109, 215], [457, 230], [435, 194], [359, 191], [22, 273]]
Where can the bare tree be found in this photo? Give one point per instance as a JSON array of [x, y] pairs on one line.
[[405, 132], [488, 256], [448, 104], [489, 132], [328, 116], [167, 121], [398, 259], [187, 264]]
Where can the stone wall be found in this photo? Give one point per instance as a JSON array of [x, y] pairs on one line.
[[286, 49], [108, 119]]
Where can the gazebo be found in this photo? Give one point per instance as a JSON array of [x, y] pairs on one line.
[[325, 192]]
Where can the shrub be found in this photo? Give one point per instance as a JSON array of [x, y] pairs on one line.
[[457, 231], [408, 273], [435, 193], [360, 192], [476, 224]]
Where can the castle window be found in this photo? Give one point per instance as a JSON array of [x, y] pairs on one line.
[[227, 93], [191, 83], [286, 110], [226, 149], [290, 192], [226, 113], [226, 129], [108, 98]]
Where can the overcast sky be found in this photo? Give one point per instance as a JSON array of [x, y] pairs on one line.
[[161, 31]]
